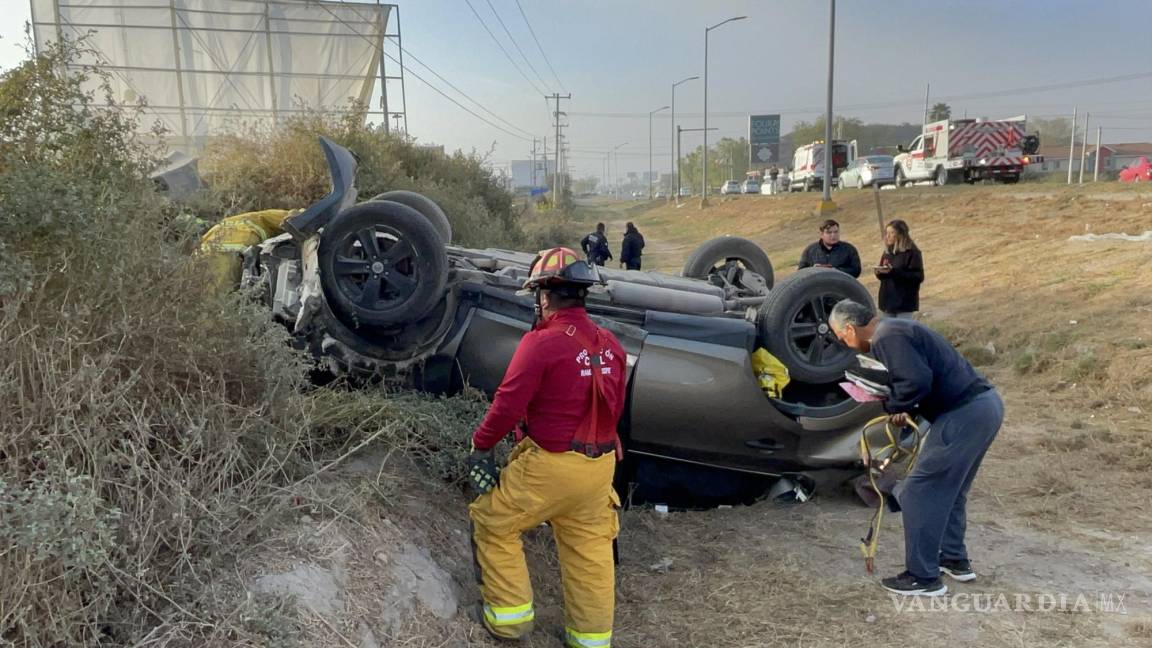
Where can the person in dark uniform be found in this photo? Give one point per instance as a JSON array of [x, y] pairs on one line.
[[928, 378], [595, 246], [901, 271], [831, 252], [632, 248]]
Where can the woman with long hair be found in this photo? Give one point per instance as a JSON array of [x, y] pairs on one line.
[[901, 271]]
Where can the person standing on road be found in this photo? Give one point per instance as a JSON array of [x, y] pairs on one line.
[[595, 246], [773, 175], [930, 379], [831, 252], [901, 271], [567, 383], [631, 249]]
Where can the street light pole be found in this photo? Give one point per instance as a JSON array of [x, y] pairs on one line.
[[616, 176], [826, 203], [653, 112], [675, 144], [704, 162]]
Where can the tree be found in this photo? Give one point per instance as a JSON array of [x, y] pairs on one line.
[[1052, 131], [940, 111]]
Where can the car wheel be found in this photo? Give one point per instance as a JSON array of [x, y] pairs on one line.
[[381, 263], [793, 323], [859, 182], [941, 176], [898, 178], [807, 186], [402, 344], [723, 256], [427, 208]]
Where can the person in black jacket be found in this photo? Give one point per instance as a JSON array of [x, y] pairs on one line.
[[632, 248], [595, 246], [831, 252], [928, 378], [901, 271]]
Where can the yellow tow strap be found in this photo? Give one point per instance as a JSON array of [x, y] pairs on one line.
[[884, 458]]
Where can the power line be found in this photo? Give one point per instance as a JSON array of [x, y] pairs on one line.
[[460, 105], [898, 104], [515, 44], [542, 53], [428, 83], [502, 48], [462, 93]]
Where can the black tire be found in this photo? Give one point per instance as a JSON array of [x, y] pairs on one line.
[[793, 323], [1011, 179], [860, 182], [898, 180], [941, 176], [400, 344], [705, 259], [426, 206], [368, 283], [807, 185]]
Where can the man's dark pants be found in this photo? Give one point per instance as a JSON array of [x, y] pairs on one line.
[[632, 265], [935, 495]]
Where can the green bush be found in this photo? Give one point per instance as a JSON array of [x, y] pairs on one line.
[[285, 168]]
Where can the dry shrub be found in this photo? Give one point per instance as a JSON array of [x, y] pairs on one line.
[[149, 432], [285, 168]]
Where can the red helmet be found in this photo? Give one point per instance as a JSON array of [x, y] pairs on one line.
[[558, 266]]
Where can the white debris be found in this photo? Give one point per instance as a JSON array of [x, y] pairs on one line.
[[1112, 236], [661, 566]]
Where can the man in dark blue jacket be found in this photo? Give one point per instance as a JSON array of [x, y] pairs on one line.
[[831, 252], [930, 379], [632, 248], [595, 246]]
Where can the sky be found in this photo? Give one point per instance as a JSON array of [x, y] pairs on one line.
[[619, 58]]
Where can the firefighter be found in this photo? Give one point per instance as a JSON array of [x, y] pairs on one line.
[[223, 244], [566, 382]]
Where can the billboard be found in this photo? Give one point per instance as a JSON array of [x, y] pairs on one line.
[[763, 140], [523, 176], [208, 67]]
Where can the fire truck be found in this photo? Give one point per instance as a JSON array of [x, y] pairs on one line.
[[954, 150]]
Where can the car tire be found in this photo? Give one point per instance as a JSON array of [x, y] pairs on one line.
[[394, 284], [702, 262], [859, 183], [793, 323], [898, 178], [399, 344], [941, 176], [427, 208]]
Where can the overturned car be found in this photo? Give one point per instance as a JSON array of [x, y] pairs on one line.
[[376, 288]]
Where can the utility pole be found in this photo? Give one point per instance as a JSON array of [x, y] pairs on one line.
[[1084, 148], [556, 177], [533, 162], [927, 92], [1096, 162], [675, 144], [650, 113], [826, 204], [1072, 145]]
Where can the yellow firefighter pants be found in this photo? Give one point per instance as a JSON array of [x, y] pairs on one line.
[[574, 493], [223, 244]]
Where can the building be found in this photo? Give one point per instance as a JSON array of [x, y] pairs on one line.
[[1113, 157], [522, 176]]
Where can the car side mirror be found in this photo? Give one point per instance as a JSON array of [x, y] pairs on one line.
[[900, 148]]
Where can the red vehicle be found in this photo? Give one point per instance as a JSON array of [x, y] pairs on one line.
[[1139, 171]]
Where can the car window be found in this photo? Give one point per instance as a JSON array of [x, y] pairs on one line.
[[879, 159]]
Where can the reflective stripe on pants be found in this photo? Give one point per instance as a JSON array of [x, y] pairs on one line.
[[576, 639], [504, 616], [572, 492]]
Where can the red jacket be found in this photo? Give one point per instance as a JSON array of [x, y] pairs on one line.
[[549, 384]]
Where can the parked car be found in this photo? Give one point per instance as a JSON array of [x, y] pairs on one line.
[[750, 187], [1138, 171], [866, 171], [685, 192], [730, 187], [377, 290], [660, 195]]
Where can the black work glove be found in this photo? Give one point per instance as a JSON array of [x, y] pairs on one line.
[[482, 471]]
